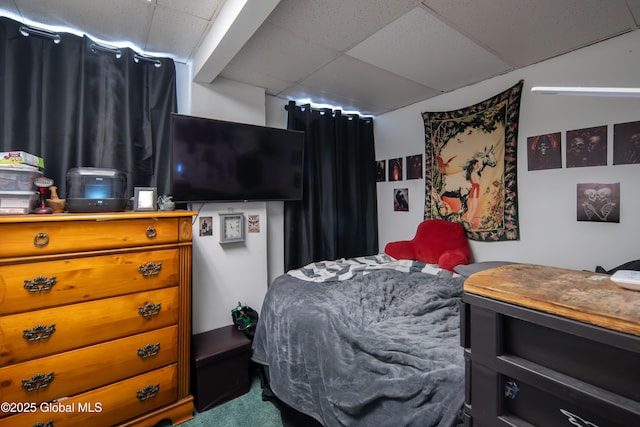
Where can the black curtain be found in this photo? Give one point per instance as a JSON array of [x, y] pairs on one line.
[[337, 217], [75, 103]]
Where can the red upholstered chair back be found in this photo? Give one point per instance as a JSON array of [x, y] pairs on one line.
[[436, 242]]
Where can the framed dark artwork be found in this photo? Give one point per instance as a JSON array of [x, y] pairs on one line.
[[626, 143], [414, 166], [401, 199], [598, 202], [380, 170], [470, 166], [587, 147], [395, 169], [206, 226], [544, 152]]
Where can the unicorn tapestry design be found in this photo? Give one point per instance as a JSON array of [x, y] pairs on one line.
[[471, 166]]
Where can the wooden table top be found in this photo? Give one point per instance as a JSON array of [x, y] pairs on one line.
[[579, 295]]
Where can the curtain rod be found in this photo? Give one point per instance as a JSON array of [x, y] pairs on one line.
[[95, 47], [27, 31], [118, 54], [156, 62], [333, 110]]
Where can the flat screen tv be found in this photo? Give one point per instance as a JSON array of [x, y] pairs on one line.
[[216, 161]]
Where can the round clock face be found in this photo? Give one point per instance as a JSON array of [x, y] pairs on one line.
[[232, 228]]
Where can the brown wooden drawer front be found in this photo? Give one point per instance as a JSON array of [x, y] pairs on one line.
[[107, 405], [102, 364], [32, 286], [78, 325], [44, 238]]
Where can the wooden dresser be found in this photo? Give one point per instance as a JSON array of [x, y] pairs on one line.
[[546, 346], [95, 319]]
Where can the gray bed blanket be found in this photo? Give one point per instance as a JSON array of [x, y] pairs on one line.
[[379, 347]]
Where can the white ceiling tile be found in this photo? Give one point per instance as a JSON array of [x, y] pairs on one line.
[[300, 47], [276, 53], [337, 24], [255, 77], [357, 81], [205, 9], [419, 47], [634, 7], [176, 33], [523, 32]]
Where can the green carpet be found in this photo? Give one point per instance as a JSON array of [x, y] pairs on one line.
[[248, 410]]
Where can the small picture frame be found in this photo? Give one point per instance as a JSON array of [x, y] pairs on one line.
[[144, 199]]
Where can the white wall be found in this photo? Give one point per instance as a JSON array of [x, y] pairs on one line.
[[225, 274], [549, 232]]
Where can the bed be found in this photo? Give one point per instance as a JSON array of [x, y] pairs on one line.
[[369, 341]]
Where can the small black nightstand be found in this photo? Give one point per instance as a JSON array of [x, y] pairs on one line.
[[219, 366]]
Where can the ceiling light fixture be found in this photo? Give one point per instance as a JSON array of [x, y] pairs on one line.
[[587, 91]]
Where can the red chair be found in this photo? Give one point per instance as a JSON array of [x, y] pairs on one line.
[[436, 242]]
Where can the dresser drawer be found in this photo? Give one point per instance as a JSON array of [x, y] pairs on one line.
[[32, 286], [53, 377], [105, 406], [39, 333], [44, 238]]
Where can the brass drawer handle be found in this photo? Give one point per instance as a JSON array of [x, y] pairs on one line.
[[47, 424], [148, 351], [149, 309], [38, 382], [41, 240], [39, 332], [39, 284], [151, 232], [150, 269], [148, 392]]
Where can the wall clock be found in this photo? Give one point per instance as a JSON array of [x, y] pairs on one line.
[[231, 227]]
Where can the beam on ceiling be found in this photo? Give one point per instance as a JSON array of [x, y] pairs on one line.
[[235, 24]]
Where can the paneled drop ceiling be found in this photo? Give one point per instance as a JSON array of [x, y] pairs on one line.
[[371, 56]]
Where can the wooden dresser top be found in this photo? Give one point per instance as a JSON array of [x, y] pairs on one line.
[[579, 295], [93, 216]]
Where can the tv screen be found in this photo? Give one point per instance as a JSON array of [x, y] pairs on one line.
[[215, 160]]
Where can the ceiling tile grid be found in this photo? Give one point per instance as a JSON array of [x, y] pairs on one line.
[[276, 53], [418, 47], [373, 56], [523, 32], [374, 88], [172, 32], [205, 9], [337, 24]]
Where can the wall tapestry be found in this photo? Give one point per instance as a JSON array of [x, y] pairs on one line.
[[470, 166]]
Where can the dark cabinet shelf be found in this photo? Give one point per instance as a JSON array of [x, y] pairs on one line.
[[528, 367]]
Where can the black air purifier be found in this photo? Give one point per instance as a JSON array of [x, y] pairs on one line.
[[96, 190]]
